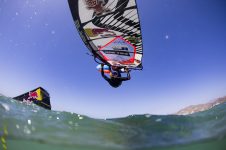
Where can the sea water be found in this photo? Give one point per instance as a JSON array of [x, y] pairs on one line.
[[26, 126]]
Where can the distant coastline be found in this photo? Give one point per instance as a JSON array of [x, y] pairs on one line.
[[201, 107]]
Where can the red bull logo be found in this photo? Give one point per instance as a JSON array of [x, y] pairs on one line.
[[99, 31], [91, 3], [96, 5], [33, 95], [94, 32]]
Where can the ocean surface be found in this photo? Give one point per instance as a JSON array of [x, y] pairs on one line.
[[25, 126]]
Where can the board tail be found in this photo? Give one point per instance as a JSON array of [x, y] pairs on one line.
[[38, 96]]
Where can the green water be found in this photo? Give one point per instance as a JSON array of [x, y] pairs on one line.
[[27, 126]]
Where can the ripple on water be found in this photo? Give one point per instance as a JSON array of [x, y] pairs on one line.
[[5, 106]]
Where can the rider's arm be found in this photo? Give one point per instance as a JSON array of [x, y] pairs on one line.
[[128, 75], [102, 73]]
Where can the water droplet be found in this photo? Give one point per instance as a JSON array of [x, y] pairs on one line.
[[158, 120], [17, 126], [148, 116], [35, 111], [26, 130], [29, 122], [167, 37]]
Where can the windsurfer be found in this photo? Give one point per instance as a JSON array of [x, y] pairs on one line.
[[115, 79]]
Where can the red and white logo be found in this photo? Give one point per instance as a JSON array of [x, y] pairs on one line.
[[97, 5], [91, 3], [33, 95]]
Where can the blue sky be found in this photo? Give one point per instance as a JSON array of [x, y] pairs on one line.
[[184, 57]]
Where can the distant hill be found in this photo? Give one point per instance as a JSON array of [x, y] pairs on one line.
[[201, 107]]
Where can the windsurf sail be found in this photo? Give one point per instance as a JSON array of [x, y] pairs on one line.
[[38, 96], [111, 30]]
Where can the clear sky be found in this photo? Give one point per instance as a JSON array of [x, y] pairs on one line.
[[184, 57]]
